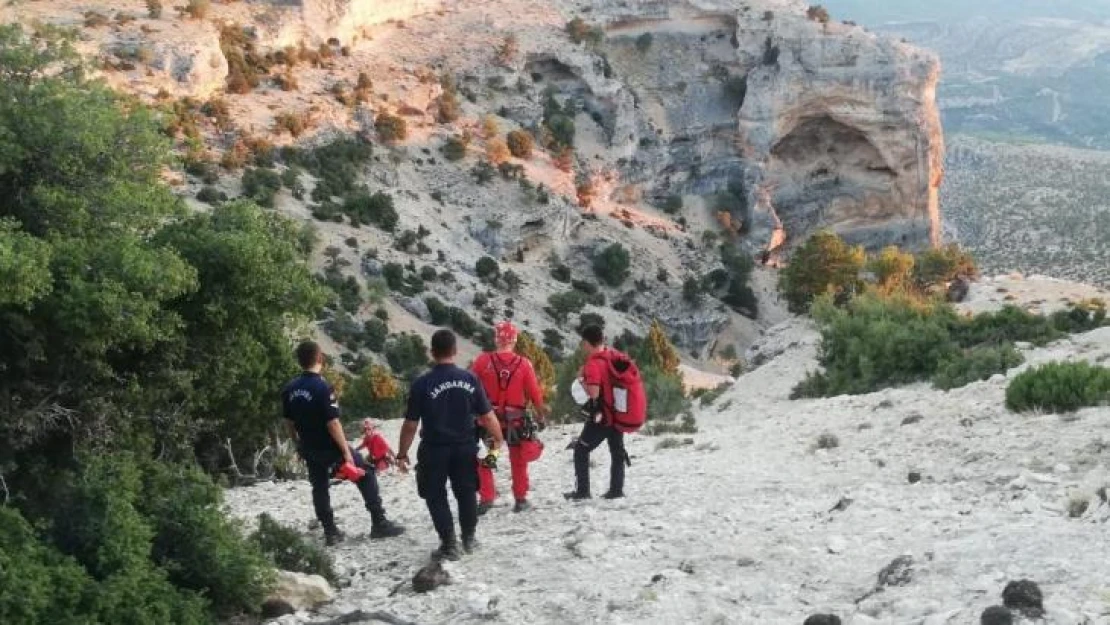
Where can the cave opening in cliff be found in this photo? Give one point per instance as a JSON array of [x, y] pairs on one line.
[[823, 162]]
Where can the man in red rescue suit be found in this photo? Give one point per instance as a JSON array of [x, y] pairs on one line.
[[599, 427], [509, 380]]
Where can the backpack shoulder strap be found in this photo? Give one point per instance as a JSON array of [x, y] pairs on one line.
[[504, 377]]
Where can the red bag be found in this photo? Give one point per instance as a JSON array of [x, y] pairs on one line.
[[623, 396]]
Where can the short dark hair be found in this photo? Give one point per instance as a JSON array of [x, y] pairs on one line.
[[308, 354], [593, 335], [443, 344]]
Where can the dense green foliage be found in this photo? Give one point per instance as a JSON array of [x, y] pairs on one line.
[[135, 339], [1059, 387], [882, 340], [823, 264], [612, 264], [290, 551]]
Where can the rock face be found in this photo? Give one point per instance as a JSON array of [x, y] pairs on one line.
[[807, 125], [300, 591]]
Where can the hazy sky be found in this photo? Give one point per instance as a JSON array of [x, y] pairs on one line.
[[877, 11]]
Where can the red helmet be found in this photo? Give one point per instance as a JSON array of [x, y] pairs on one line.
[[531, 449], [505, 333]]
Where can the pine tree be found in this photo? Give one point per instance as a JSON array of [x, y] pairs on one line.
[[660, 352], [545, 371]]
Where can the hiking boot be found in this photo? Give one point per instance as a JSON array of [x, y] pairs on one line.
[[484, 507], [522, 505], [448, 550], [470, 544], [575, 495], [332, 536], [386, 529], [612, 495]]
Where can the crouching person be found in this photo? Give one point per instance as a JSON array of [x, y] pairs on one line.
[[311, 411]]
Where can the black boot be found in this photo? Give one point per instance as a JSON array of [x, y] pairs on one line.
[[522, 505], [484, 507], [613, 495], [384, 528], [469, 544], [575, 495], [332, 535], [448, 549]]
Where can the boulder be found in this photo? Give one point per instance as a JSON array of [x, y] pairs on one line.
[[822, 619], [299, 591], [416, 307]]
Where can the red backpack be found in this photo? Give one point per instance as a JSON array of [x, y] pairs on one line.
[[623, 396]]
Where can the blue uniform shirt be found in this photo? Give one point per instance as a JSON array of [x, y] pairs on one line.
[[310, 403], [447, 399]]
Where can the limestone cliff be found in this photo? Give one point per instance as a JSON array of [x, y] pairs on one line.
[[815, 125]]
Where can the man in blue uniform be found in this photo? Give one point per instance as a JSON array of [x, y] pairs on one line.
[[446, 401], [311, 412]]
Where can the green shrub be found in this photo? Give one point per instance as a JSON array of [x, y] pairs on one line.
[[823, 264], [673, 204], [1059, 387], [487, 269], [211, 195], [643, 42], [454, 149], [878, 342], [520, 144], [290, 551], [391, 128], [976, 364], [372, 208], [261, 185], [942, 265], [483, 172], [612, 264], [406, 354], [559, 305], [437, 310], [561, 272]]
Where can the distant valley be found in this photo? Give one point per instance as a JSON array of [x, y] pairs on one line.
[[1023, 102]]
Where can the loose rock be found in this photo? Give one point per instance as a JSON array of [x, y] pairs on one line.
[[430, 577], [1025, 597], [822, 619], [914, 477], [898, 573], [996, 615]]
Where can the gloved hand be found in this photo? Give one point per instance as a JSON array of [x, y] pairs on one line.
[[490, 461], [590, 410]]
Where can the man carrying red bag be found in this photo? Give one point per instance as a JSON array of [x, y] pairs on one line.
[[509, 380]]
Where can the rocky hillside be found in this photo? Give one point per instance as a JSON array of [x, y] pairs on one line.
[[910, 505], [1030, 208], [663, 127]]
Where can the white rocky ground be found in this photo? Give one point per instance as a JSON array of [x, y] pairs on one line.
[[742, 525]]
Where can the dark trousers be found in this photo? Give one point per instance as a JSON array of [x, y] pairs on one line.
[[438, 464], [321, 466], [592, 435]]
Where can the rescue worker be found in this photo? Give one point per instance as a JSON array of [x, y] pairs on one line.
[[509, 380], [443, 404], [311, 411], [378, 452], [598, 426]]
